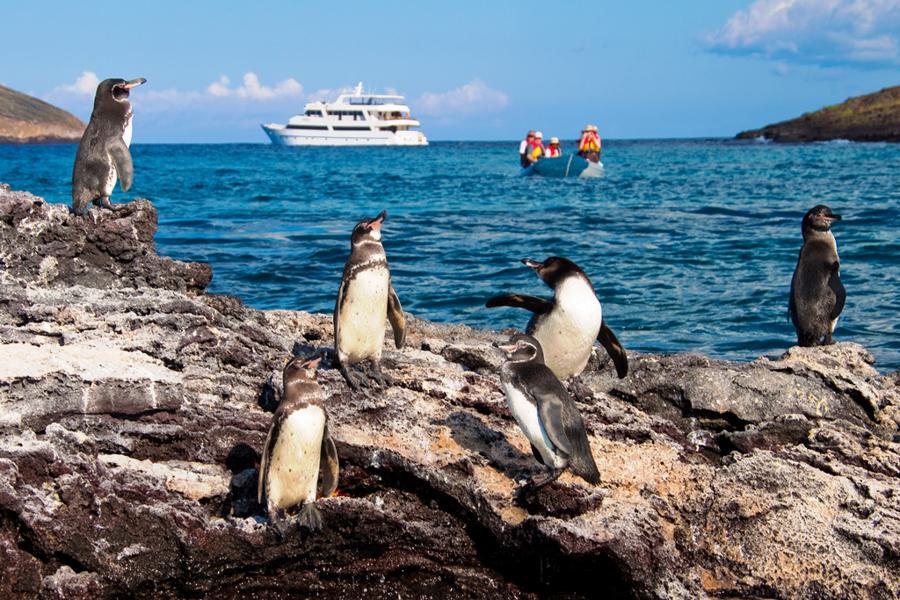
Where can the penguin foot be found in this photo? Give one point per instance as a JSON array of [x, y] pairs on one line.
[[539, 481], [310, 517], [374, 372], [580, 390], [280, 524], [350, 378]]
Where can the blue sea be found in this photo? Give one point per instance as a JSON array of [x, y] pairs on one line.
[[690, 243]]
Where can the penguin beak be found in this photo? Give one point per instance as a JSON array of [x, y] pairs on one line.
[[134, 83], [312, 364], [508, 348], [532, 263], [377, 221], [833, 217]]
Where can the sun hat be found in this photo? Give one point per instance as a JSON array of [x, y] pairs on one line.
[[538, 134], [554, 140]]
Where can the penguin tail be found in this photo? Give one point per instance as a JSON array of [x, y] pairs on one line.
[[585, 467], [581, 460]]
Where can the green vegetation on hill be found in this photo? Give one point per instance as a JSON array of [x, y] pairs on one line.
[[27, 120], [870, 118]]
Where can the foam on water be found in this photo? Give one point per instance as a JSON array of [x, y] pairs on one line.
[[690, 243]]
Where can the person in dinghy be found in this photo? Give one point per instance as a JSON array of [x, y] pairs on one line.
[[589, 145]]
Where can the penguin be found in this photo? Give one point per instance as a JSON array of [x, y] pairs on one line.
[[545, 412], [566, 326], [366, 295], [103, 154], [298, 446], [817, 294]]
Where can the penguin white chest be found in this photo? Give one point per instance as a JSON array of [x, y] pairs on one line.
[[126, 134], [568, 332], [111, 177], [294, 464], [363, 314], [526, 415]]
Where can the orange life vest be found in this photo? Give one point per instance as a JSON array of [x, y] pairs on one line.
[[589, 142]]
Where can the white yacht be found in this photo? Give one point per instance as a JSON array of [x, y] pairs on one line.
[[356, 119]]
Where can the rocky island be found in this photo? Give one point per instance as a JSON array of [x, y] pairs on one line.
[[133, 406], [870, 118], [27, 120]]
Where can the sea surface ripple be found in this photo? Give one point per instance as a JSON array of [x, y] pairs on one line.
[[690, 243]]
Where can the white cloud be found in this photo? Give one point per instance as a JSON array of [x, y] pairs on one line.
[[252, 89], [220, 88], [85, 85], [472, 97], [863, 33]]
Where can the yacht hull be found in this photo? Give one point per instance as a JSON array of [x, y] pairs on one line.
[[285, 136]]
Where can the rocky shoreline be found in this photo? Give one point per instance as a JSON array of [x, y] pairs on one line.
[[133, 406], [870, 118]]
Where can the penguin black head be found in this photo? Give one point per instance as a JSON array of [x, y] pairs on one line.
[[368, 230], [301, 369], [818, 218], [112, 94], [554, 270], [522, 348]]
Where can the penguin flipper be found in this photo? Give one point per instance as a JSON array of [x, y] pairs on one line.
[[121, 155], [563, 424], [396, 318], [615, 350], [328, 462], [840, 294], [536, 305], [792, 307], [274, 430], [550, 400], [338, 305]]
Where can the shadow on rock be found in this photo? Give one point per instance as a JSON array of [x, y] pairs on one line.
[[471, 433], [243, 462], [560, 500]]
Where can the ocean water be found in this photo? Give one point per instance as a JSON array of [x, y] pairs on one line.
[[690, 243]]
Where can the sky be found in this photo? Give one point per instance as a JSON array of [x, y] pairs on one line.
[[470, 70]]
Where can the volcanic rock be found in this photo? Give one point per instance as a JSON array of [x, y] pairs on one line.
[[133, 408]]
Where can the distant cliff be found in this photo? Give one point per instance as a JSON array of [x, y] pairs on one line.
[[27, 120], [870, 118]]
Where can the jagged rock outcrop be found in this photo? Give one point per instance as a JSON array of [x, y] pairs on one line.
[[133, 408], [870, 118], [27, 120]]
